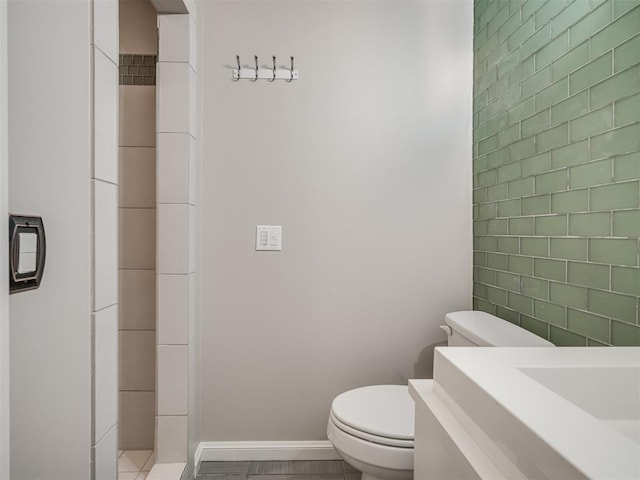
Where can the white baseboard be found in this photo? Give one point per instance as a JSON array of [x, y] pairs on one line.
[[264, 451]]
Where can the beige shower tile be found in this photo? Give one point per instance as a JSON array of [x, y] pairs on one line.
[[137, 116], [137, 360], [137, 420], [137, 300], [137, 182], [137, 238]]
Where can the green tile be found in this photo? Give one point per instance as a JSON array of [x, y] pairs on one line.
[[592, 326], [496, 192], [508, 136], [508, 245], [486, 276], [538, 204], [569, 248], [531, 6], [595, 173], [626, 223], [479, 290], [625, 335], [548, 11], [627, 54], [597, 19], [551, 225], [497, 124], [522, 149], [626, 167], [568, 295], [572, 201], [535, 287], [550, 313], [520, 265], [564, 338], [592, 73], [573, 154], [571, 61], [498, 157], [625, 280], [536, 123], [535, 326], [521, 72], [551, 182], [497, 261], [509, 26], [536, 41], [483, 179], [628, 110], [480, 195], [479, 164], [612, 305], [487, 210], [588, 274], [613, 251], [536, 164], [484, 306], [569, 16], [495, 23], [508, 281], [498, 226], [534, 246], [616, 33], [552, 94], [486, 244], [508, 315], [520, 303], [551, 269], [509, 208], [479, 259], [620, 85], [480, 227], [507, 100], [591, 124], [590, 224], [496, 296], [595, 343], [553, 138], [520, 111], [521, 226], [614, 196], [621, 7], [552, 50], [570, 108], [509, 172], [488, 144], [521, 188]]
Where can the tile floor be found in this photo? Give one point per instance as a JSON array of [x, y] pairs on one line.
[[281, 470], [135, 464]]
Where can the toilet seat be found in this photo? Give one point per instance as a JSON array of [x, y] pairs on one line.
[[382, 414]]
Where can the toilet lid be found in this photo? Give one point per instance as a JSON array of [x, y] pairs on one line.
[[382, 410]]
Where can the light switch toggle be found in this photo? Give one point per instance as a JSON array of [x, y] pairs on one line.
[[269, 237]]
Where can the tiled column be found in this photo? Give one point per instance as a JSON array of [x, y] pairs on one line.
[[104, 49], [176, 140]]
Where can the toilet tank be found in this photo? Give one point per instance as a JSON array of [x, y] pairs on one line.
[[474, 328]]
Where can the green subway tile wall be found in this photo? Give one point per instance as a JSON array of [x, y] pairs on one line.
[[557, 167]]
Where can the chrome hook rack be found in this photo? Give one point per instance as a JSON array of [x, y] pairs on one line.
[[256, 73]]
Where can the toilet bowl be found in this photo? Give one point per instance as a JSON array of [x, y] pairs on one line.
[[372, 427]]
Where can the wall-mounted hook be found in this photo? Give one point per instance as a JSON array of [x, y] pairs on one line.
[[274, 69], [239, 68], [255, 58], [291, 79]]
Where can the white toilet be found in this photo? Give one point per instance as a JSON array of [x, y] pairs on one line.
[[372, 427]]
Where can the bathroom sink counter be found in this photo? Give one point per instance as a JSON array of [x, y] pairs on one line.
[[535, 412]]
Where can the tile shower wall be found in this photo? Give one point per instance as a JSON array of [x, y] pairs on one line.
[[557, 167], [137, 217]]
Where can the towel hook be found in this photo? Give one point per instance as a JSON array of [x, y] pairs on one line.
[[274, 69], [239, 68], [255, 58], [291, 79]]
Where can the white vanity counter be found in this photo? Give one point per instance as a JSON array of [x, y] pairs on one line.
[[529, 413]]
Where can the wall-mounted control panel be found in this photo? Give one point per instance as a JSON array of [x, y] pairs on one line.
[[269, 237], [27, 252]]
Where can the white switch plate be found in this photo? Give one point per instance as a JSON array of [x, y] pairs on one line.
[[269, 237]]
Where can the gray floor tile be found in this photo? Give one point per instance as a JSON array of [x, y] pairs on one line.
[[352, 476], [349, 469], [299, 467], [296, 477], [238, 468], [222, 476]]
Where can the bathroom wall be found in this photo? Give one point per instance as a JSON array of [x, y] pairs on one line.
[[50, 171], [557, 167], [137, 217], [365, 161]]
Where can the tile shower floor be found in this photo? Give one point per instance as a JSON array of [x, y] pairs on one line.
[[281, 470], [135, 464]]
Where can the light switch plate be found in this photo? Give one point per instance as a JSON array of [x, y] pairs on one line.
[[269, 238]]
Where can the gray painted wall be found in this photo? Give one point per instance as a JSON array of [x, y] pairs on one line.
[[366, 164], [50, 171]]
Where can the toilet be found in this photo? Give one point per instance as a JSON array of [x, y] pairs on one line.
[[372, 427]]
